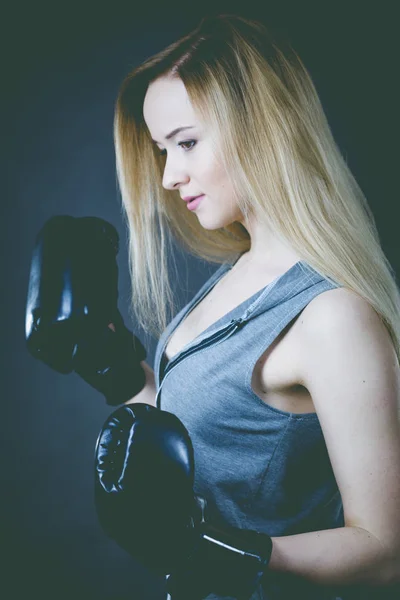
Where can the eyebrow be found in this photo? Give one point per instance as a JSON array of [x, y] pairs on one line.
[[174, 132]]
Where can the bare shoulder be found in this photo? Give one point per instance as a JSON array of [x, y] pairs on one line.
[[341, 319], [334, 306]]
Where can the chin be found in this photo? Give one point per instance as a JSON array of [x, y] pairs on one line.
[[211, 226], [209, 221]]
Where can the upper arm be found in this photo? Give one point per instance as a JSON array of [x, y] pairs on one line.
[[351, 371]]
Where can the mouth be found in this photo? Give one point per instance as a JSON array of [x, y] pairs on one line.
[[192, 204]]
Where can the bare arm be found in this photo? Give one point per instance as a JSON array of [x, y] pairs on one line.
[[148, 394], [350, 368]]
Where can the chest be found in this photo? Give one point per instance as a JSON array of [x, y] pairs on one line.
[[276, 375]]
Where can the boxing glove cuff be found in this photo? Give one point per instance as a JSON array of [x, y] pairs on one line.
[[110, 362], [227, 562]]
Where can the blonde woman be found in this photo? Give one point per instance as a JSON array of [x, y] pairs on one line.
[[284, 368]]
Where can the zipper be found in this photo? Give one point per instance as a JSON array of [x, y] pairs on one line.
[[217, 337]]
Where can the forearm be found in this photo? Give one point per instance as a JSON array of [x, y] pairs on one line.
[[345, 556], [148, 394]]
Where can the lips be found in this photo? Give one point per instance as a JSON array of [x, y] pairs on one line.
[[190, 198]]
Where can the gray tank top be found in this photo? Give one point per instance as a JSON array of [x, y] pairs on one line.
[[258, 467]]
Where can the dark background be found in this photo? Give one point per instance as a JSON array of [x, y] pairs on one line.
[[61, 68]]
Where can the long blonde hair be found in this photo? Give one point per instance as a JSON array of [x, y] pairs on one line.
[[271, 133]]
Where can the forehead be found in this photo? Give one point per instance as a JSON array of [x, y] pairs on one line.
[[167, 105]]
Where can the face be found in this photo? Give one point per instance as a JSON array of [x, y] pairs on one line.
[[191, 168]]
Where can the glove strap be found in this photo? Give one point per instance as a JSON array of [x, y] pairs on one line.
[[227, 562], [238, 559]]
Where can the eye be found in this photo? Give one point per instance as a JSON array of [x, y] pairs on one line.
[[163, 152]]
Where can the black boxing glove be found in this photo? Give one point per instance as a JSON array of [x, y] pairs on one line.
[[109, 361], [72, 299], [225, 561], [144, 475], [143, 484]]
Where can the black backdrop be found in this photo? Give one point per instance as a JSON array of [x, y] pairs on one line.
[[62, 64]]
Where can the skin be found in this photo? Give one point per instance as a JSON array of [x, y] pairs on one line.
[[192, 169], [348, 364]]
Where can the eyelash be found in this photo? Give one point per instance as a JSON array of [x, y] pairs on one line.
[[163, 152]]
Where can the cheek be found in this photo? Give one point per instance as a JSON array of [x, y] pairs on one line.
[[213, 178], [216, 175]]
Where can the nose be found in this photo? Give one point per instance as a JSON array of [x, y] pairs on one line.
[[174, 177]]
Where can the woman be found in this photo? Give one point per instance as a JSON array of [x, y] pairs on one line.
[[294, 421]]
